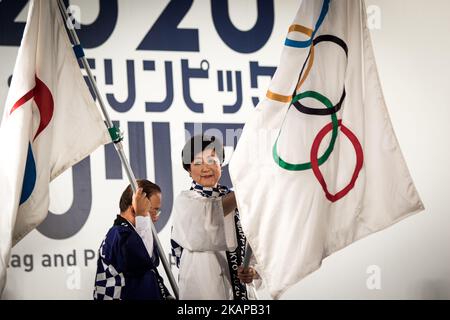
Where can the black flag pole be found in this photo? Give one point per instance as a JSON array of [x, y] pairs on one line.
[[116, 136]]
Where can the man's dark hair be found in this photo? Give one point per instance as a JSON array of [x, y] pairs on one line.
[[197, 144], [127, 196]]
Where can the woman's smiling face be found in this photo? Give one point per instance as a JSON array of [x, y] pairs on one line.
[[205, 168]]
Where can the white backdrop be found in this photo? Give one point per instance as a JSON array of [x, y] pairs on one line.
[[407, 261]]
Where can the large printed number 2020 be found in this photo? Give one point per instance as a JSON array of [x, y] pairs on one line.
[[164, 34]]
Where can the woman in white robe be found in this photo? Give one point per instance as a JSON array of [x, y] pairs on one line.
[[206, 230]]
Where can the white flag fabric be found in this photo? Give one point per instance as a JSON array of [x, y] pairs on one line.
[[50, 122], [318, 165]]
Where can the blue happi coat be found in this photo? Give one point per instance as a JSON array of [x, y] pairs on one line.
[[125, 270]]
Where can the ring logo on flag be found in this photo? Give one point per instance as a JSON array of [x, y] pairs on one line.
[[44, 102], [335, 125], [315, 163]]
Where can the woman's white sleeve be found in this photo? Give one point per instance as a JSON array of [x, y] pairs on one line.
[[199, 224]]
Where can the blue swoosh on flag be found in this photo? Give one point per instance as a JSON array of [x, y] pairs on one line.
[[29, 179]]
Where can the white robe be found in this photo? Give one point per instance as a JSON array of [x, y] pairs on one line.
[[199, 226]]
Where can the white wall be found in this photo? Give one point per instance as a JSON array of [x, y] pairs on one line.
[[412, 48]]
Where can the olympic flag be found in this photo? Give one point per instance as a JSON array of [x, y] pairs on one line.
[[318, 165], [50, 123]]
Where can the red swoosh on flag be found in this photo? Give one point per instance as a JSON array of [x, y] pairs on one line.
[[27, 96], [44, 101]]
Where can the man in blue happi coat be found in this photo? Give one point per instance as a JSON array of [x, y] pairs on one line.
[[127, 259]]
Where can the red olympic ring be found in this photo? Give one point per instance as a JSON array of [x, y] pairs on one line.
[[315, 165]]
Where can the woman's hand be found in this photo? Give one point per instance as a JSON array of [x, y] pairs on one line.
[[247, 275], [229, 203]]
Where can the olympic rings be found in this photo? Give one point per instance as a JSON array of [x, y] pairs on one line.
[[331, 110]]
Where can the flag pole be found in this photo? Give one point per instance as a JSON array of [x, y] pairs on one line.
[[246, 263], [116, 137], [248, 254]]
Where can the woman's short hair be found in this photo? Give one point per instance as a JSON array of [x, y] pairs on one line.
[[199, 143]]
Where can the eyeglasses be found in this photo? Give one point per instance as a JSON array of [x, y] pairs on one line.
[[209, 161], [157, 211]]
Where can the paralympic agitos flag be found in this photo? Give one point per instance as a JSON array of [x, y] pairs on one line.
[[50, 122], [318, 165]]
